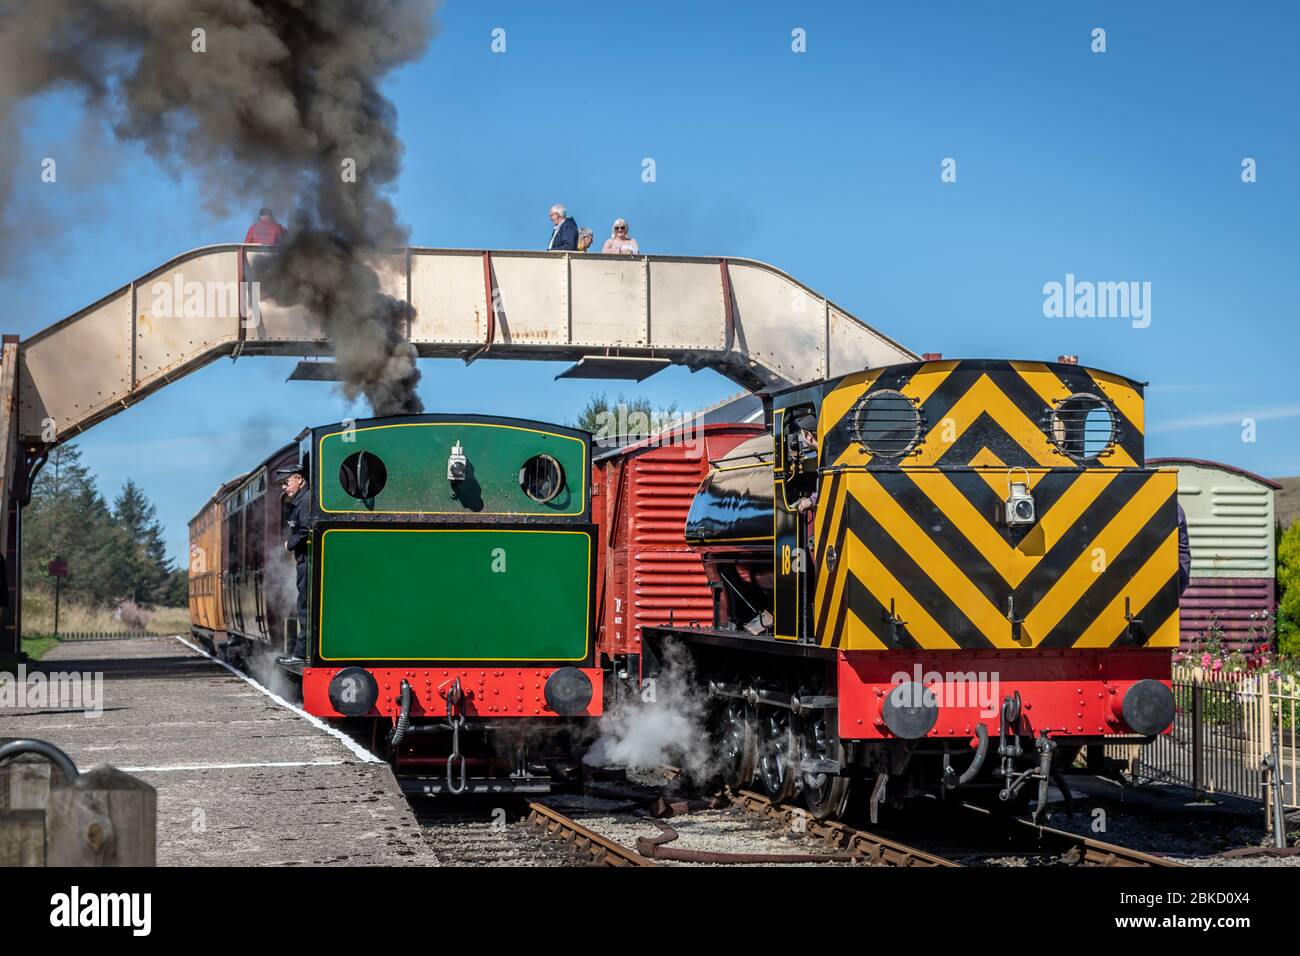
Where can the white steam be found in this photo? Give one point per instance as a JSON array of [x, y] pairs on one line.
[[666, 725]]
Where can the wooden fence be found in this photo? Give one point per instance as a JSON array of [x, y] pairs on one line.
[[1224, 725]]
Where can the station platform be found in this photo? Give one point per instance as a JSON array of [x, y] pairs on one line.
[[243, 779]]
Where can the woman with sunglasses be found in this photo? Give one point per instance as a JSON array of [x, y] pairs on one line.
[[619, 241]]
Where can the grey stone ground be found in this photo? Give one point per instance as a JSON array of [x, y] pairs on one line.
[[167, 707]]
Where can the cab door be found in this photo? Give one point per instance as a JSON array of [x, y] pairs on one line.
[[795, 477]]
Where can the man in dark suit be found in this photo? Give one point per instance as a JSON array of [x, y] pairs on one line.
[[293, 482], [564, 232]]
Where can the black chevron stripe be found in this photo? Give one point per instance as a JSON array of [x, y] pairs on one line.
[[841, 612], [919, 584], [1152, 615], [840, 561], [985, 432], [1102, 511], [875, 615], [950, 391], [1119, 571], [1079, 380], [1047, 492], [838, 436], [945, 536], [1130, 438], [896, 377]]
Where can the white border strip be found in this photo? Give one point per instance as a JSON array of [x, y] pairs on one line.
[[364, 755], [236, 766]]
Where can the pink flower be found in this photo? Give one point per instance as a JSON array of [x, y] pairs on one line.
[[1205, 659], [1218, 666]]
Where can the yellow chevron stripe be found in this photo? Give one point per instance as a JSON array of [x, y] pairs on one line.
[[1052, 390], [1112, 540], [826, 526], [1146, 583], [844, 396], [984, 397], [842, 565], [1013, 562], [857, 636], [1123, 396], [1118, 458], [875, 577], [1043, 381], [992, 622], [854, 455], [927, 380], [994, 472], [838, 401], [1166, 635]]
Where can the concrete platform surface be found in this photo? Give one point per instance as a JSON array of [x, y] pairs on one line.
[[241, 779]]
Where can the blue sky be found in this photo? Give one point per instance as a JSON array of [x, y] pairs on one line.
[[1115, 166]]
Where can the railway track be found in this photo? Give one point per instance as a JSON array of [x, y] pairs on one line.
[[863, 846], [967, 835], [1071, 849], [1017, 836], [580, 840]]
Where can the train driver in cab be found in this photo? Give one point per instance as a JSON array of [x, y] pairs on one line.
[[807, 425], [297, 528], [807, 504]]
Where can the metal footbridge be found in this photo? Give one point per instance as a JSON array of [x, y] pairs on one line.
[[612, 316]]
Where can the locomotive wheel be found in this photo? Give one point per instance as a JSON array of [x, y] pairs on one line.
[[778, 748], [824, 796], [737, 745]]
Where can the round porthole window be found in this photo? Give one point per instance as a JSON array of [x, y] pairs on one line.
[[541, 478], [363, 475], [886, 423], [1083, 426]]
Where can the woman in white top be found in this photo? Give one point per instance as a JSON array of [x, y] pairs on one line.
[[620, 241]]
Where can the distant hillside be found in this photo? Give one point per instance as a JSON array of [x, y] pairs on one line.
[[1288, 501]]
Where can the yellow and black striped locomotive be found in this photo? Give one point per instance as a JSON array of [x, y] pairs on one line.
[[935, 575]]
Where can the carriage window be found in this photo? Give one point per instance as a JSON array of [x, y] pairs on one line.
[[1083, 426], [363, 475], [541, 478], [886, 423]]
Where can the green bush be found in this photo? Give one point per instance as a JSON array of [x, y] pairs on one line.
[[1288, 586]]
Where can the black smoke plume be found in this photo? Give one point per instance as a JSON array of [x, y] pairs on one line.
[[282, 101]]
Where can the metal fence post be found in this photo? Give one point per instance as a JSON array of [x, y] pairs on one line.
[[1198, 739]]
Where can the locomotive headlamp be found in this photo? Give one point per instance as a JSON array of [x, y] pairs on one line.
[[457, 463], [1020, 501]]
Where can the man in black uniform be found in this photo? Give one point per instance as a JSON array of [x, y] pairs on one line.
[[293, 482]]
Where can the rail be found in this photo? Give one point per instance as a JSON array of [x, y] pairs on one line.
[[603, 852]]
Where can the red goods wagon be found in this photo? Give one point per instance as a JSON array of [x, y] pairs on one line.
[[646, 575]]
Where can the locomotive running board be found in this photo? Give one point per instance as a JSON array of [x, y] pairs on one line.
[[739, 640]]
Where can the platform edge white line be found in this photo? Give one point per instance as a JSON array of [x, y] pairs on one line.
[[359, 751]]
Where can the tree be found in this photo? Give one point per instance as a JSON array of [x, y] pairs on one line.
[[178, 589], [1288, 586], [624, 418], [112, 555], [142, 571], [67, 518]]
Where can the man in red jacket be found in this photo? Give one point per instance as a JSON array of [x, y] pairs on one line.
[[266, 231]]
